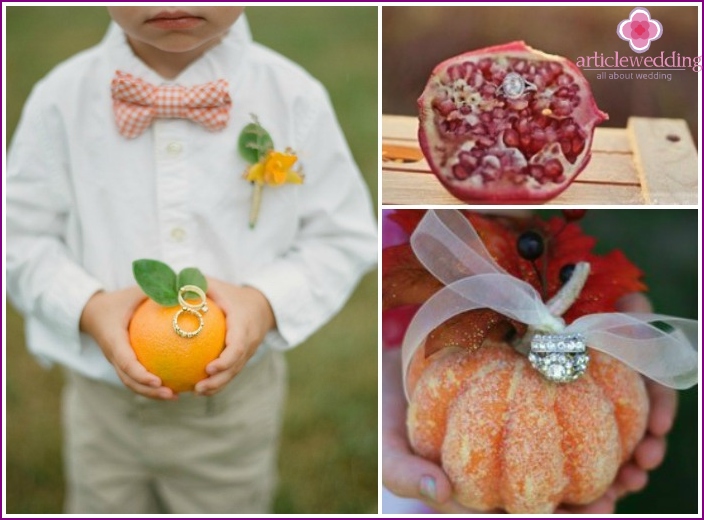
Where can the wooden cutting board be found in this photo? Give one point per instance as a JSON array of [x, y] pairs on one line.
[[651, 161]]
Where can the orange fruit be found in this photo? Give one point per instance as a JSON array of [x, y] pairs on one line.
[[179, 362]]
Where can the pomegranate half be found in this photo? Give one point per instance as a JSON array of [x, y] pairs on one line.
[[507, 124]]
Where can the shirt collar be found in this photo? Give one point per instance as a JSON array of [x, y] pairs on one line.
[[221, 61]]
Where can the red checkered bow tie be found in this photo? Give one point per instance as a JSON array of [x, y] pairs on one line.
[[136, 103]]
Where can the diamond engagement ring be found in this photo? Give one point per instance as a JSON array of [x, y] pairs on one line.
[[558, 357], [190, 308], [514, 86]]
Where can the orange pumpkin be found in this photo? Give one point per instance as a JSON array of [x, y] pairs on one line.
[[508, 438]]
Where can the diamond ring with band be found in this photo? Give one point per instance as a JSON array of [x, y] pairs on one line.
[[514, 86], [561, 358]]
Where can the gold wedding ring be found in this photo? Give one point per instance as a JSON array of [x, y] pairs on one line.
[[185, 333], [191, 309], [194, 289]]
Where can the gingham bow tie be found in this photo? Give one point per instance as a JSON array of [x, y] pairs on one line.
[[136, 103]]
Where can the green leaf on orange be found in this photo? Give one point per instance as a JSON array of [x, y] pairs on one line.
[[192, 276], [158, 281]]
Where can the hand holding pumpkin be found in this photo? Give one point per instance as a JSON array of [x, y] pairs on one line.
[[404, 473], [650, 451], [541, 444], [407, 474]]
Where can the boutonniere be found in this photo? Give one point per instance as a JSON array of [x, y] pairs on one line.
[[268, 167]]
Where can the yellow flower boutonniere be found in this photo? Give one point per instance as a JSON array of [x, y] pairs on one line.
[[268, 167]]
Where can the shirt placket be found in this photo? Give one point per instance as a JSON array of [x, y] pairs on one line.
[[174, 205]]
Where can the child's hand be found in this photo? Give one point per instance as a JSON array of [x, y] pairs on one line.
[[106, 317], [249, 317]]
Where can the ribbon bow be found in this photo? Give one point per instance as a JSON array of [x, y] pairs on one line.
[[136, 103], [450, 249]]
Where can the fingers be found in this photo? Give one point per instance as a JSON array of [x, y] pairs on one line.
[[663, 408], [217, 290], [605, 505], [221, 371], [409, 476], [133, 374], [650, 452], [249, 318], [630, 479], [634, 302], [230, 362], [135, 377]]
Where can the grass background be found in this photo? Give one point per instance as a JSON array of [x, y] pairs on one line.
[[329, 450]]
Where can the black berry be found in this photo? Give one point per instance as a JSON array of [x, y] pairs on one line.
[[530, 245], [566, 272]]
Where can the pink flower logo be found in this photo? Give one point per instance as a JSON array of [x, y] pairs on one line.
[[639, 29]]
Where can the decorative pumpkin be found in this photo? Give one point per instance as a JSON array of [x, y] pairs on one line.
[[506, 436]]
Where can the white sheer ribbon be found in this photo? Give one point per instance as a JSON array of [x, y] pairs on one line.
[[663, 348]]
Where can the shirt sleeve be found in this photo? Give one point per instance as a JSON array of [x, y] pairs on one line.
[[337, 238], [43, 279]]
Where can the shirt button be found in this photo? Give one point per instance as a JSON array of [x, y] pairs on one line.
[[174, 148], [178, 234]]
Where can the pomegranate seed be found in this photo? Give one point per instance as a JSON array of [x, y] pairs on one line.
[[523, 126], [518, 104], [511, 138], [459, 172], [468, 162], [541, 121], [564, 79], [577, 145], [444, 107], [562, 108], [535, 146], [553, 169], [566, 146], [569, 129], [485, 141], [484, 65], [536, 171]]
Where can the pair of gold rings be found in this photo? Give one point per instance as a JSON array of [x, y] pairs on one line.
[[194, 309]]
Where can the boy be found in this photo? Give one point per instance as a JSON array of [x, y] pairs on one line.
[[91, 187]]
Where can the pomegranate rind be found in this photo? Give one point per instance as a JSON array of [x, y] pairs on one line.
[[486, 147]]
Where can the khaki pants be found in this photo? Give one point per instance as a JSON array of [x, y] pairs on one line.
[[200, 455]]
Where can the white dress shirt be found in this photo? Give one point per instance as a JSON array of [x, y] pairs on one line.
[[83, 202]]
